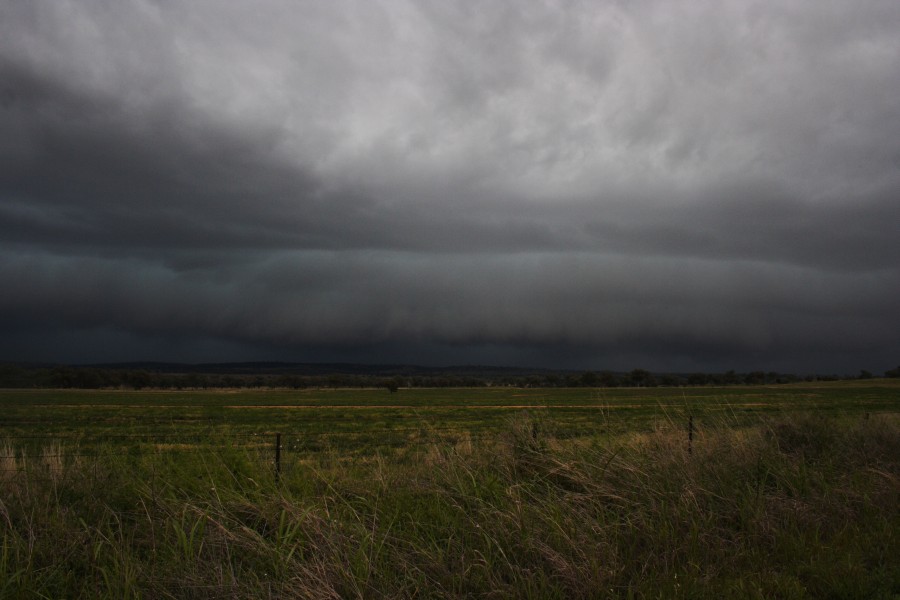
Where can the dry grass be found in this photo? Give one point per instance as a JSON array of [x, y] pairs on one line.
[[796, 507]]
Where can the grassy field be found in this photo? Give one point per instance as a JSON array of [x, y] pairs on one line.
[[86, 415], [788, 491]]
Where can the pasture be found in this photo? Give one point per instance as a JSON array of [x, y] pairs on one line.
[[366, 418], [789, 491]]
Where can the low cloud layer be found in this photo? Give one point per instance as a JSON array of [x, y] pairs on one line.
[[670, 185]]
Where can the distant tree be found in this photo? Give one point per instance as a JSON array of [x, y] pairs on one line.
[[863, 374], [787, 378], [730, 378], [670, 380], [13, 376], [573, 380], [533, 381], [89, 378], [290, 381], [138, 379], [698, 379], [552, 380], [893, 372], [641, 378], [755, 378], [609, 379], [589, 379], [196, 380], [61, 377]]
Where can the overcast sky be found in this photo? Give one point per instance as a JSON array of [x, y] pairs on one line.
[[671, 185]]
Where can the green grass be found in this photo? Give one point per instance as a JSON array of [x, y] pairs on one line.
[[412, 412], [788, 492]]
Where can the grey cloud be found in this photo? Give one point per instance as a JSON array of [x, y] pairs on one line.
[[660, 181], [338, 299]]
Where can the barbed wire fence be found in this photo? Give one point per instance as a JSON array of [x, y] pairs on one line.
[[278, 450]]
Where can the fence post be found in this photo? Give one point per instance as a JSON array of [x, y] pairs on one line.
[[691, 434], [277, 457]]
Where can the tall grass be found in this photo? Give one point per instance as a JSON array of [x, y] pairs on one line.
[[794, 507]]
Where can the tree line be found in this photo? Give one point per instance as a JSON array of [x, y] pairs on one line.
[[82, 377]]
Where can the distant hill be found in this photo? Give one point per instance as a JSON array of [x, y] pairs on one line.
[[143, 374], [318, 369]]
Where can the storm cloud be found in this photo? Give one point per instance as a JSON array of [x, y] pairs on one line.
[[666, 185]]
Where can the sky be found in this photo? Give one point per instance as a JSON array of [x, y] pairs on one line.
[[674, 185]]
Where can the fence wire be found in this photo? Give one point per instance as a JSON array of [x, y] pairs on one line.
[[31, 453]]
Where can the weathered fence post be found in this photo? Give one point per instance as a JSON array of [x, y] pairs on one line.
[[691, 434], [277, 457]]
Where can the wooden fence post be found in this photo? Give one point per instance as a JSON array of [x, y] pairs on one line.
[[691, 434], [277, 457]]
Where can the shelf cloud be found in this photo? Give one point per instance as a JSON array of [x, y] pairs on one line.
[[665, 185]]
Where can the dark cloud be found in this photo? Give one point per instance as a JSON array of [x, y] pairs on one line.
[[659, 184]]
